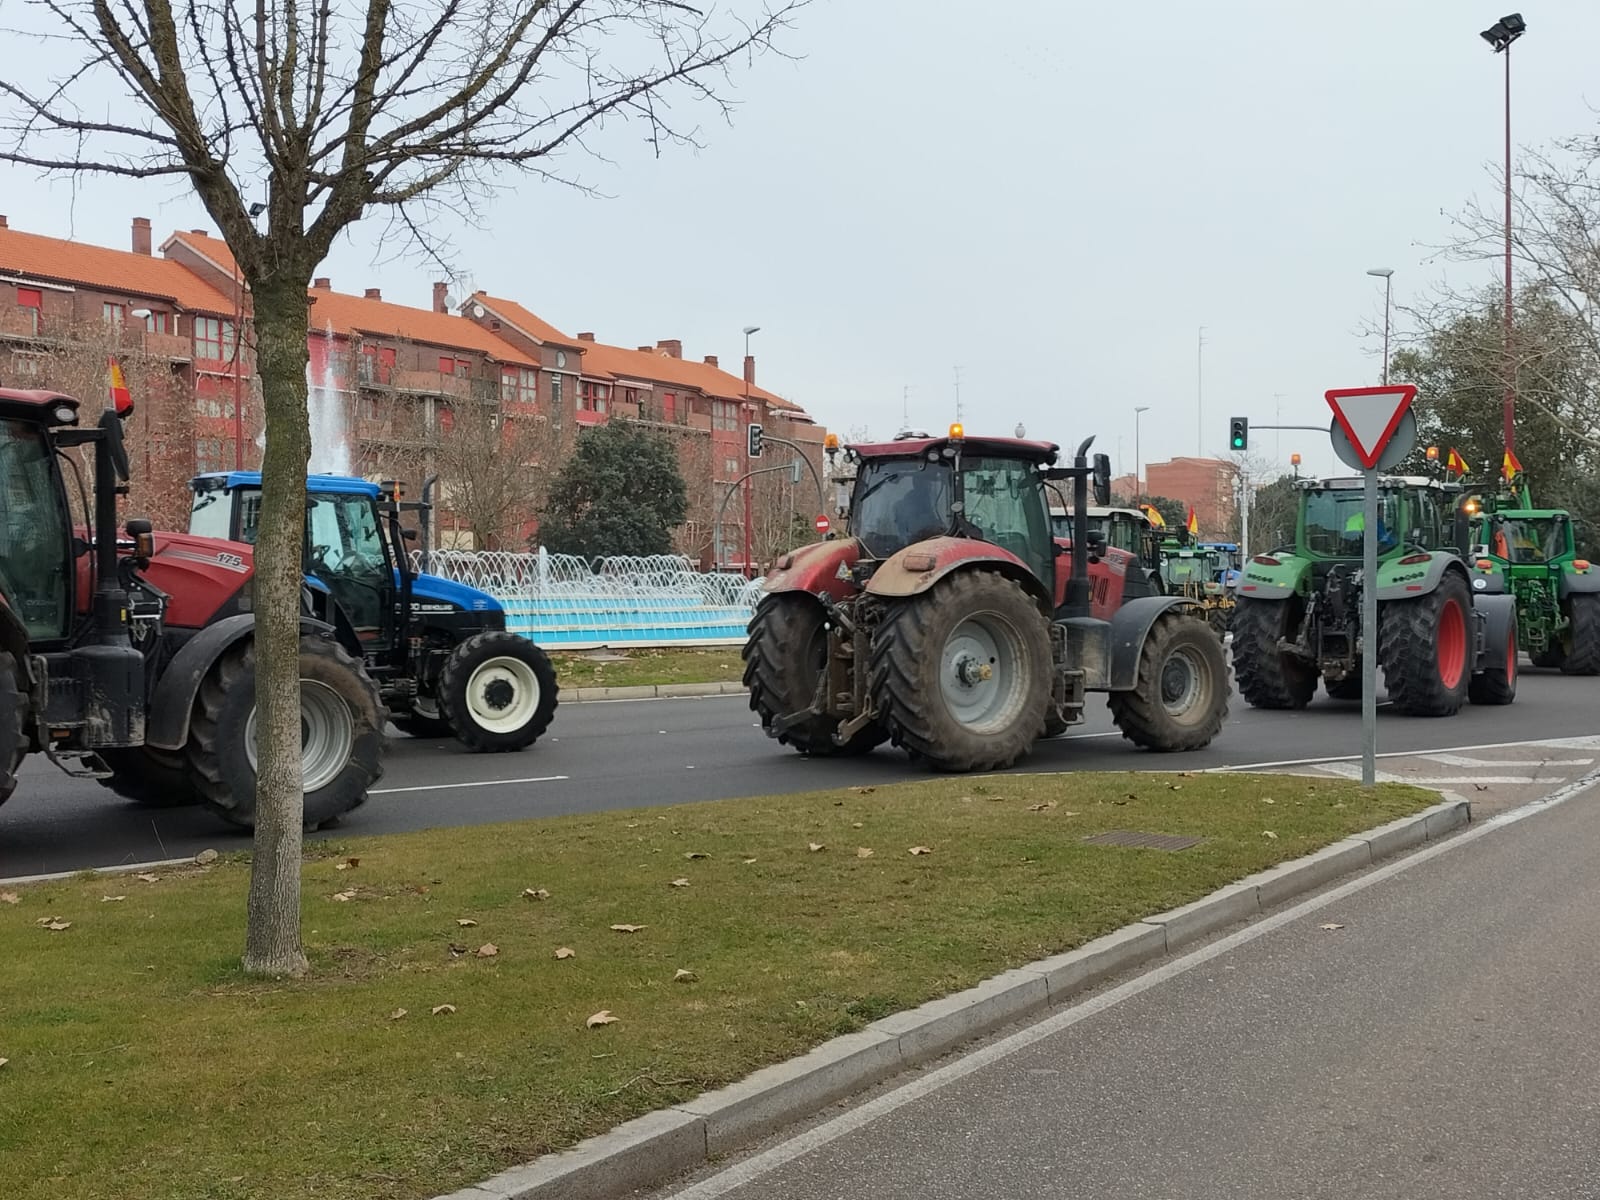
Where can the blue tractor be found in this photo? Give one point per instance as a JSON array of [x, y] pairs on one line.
[[439, 650]]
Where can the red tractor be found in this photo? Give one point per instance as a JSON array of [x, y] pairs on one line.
[[135, 664], [951, 623]]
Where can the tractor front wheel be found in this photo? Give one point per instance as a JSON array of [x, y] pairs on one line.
[[961, 673], [341, 733], [1583, 650], [1268, 678], [1181, 697], [1498, 684], [785, 659], [1425, 646], [498, 691], [13, 725]]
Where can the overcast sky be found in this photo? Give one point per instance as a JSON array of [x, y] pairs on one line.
[[1052, 196]]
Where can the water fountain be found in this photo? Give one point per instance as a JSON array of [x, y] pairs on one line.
[[330, 433]]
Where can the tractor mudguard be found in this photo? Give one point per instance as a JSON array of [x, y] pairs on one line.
[[1130, 626], [820, 567], [1488, 583], [167, 727], [914, 570], [1500, 615], [1263, 582], [1398, 580], [1579, 583]]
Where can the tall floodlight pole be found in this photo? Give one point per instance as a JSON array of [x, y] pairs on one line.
[[749, 416], [1138, 462], [1387, 275], [1500, 35]]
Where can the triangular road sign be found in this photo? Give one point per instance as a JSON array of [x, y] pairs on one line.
[[1369, 416]]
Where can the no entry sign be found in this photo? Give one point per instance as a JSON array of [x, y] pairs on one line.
[[823, 524]]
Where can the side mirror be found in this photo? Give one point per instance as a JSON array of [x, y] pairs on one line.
[[1481, 550], [142, 533], [111, 430], [1101, 480]]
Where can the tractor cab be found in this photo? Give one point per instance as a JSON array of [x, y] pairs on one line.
[[1414, 513]]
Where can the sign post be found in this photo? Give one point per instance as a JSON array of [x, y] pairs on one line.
[[1373, 430]]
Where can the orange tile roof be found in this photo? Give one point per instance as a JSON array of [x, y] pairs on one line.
[[118, 271], [531, 324], [348, 315], [213, 250]]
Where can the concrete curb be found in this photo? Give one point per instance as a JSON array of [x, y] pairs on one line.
[[663, 1144], [664, 691], [161, 864]]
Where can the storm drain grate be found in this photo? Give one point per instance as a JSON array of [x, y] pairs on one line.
[[1143, 841]]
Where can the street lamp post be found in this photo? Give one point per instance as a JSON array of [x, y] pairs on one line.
[[749, 415], [1138, 488], [1500, 35], [1387, 275]]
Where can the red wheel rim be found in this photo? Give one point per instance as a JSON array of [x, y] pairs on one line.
[[1452, 644], [1511, 657]]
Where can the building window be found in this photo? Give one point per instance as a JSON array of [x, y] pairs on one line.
[[213, 338], [527, 386], [593, 396], [31, 302], [112, 314], [730, 469], [555, 391], [160, 322], [632, 395], [25, 365], [508, 384], [725, 415]]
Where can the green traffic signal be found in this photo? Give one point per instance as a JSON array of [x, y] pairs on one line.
[[1238, 433]]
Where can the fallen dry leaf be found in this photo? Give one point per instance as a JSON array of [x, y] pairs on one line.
[[1268, 800], [1267, 833], [457, 950], [4, 1061], [916, 850], [815, 846], [855, 825], [680, 883], [603, 1017], [1046, 806], [465, 922], [627, 928], [535, 893], [1482, 787], [10, 898], [684, 976], [697, 854], [148, 878], [863, 851], [341, 866], [346, 895], [748, 861], [863, 791], [58, 926], [1330, 926], [1067, 812], [488, 950], [565, 952], [111, 899], [206, 857], [443, 1010], [397, 1014]]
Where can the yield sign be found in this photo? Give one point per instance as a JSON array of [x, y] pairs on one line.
[[1369, 416]]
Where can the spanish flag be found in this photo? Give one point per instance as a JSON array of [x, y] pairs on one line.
[[1456, 464], [1509, 466], [1154, 514], [1194, 525], [121, 397]]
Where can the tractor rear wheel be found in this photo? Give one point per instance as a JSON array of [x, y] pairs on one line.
[[784, 660], [1425, 646], [499, 691], [1181, 697], [961, 673], [150, 778], [1497, 684], [1348, 688], [13, 725], [1268, 678], [1583, 655], [341, 731]]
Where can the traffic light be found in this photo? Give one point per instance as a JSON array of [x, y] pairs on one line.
[[1238, 433], [753, 450]]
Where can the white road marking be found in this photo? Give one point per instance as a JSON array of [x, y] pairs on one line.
[[1353, 771], [1572, 743], [814, 1139], [1462, 760], [476, 783]]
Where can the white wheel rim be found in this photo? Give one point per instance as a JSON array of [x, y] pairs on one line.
[[980, 677], [1181, 682], [426, 707], [327, 735], [502, 695]]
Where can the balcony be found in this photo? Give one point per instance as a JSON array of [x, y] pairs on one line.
[[163, 345], [431, 383]]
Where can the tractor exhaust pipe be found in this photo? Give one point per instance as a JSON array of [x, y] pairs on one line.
[[1077, 597]]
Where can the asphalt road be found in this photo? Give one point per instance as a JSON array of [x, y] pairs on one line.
[[1439, 1044], [637, 753]]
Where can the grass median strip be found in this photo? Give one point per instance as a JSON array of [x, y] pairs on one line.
[[642, 668], [480, 996]]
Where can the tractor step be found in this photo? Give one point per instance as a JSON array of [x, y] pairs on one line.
[[80, 764]]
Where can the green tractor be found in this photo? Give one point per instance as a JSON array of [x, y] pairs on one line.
[[1440, 641], [1531, 554], [1197, 572]]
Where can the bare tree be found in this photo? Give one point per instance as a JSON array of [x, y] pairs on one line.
[[495, 470], [323, 111]]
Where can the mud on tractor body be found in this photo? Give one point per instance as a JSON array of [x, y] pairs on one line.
[[1531, 554], [133, 662], [950, 622], [1439, 641]]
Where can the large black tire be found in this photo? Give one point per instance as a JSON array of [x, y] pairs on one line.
[[1583, 646], [1348, 688], [961, 673], [1268, 678], [1181, 697], [784, 657], [498, 691], [150, 778], [13, 725], [1498, 684], [335, 689], [1553, 655], [1425, 647]]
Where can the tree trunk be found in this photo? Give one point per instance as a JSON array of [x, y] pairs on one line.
[[272, 935]]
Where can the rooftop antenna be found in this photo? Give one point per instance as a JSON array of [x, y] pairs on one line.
[[958, 393], [905, 408]]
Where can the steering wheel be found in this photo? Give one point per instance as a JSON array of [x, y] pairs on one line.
[[319, 559]]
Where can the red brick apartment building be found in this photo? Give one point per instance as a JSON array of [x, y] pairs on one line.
[[399, 372], [1206, 483]]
